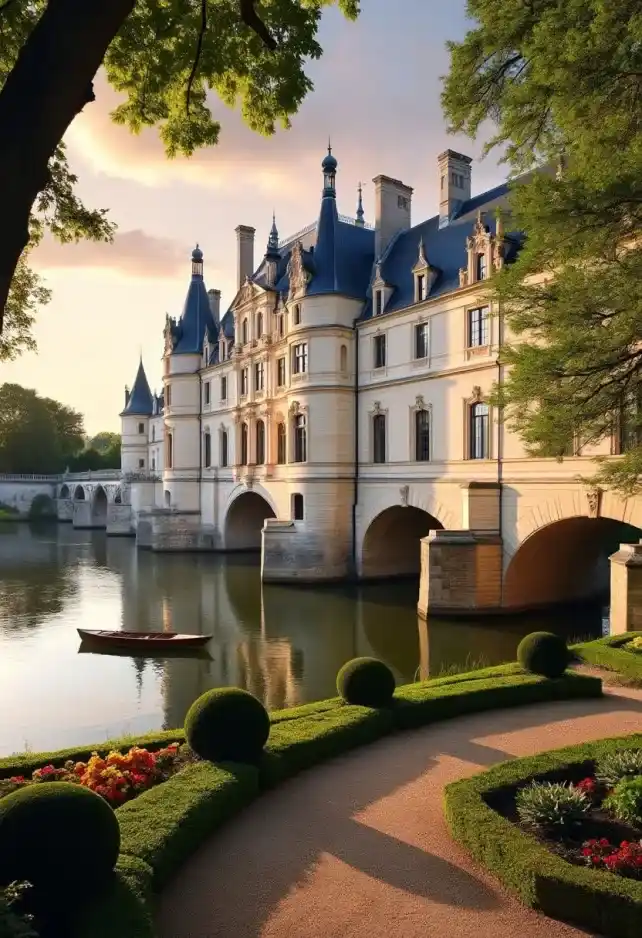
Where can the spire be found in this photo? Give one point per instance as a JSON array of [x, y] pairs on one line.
[[360, 222], [197, 262], [329, 167], [139, 402], [273, 240]]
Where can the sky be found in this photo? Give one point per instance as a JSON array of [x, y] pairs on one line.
[[376, 94]]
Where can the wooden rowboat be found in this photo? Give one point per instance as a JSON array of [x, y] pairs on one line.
[[141, 641]]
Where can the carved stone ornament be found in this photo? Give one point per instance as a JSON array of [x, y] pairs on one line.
[[297, 274], [247, 291], [237, 416], [168, 334], [419, 402], [463, 277], [477, 394], [249, 480], [479, 228], [594, 500], [376, 408], [404, 492], [294, 407]]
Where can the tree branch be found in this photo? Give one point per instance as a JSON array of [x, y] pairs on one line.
[[197, 57], [252, 19]]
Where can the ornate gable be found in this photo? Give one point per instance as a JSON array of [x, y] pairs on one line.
[[298, 277], [485, 251]]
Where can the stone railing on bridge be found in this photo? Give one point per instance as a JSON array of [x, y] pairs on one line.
[[95, 475], [26, 477]]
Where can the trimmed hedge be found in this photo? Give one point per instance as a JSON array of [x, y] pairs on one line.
[[595, 900], [166, 824], [608, 653]]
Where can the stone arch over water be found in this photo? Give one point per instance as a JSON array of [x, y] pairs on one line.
[[244, 521], [392, 542], [64, 492], [99, 507], [565, 561], [79, 494]]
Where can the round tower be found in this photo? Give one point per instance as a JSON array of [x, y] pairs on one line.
[[135, 418]]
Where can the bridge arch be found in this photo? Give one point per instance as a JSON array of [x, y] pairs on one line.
[[64, 491], [79, 494], [246, 515], [99, 507], [565, 560], [392, 542]]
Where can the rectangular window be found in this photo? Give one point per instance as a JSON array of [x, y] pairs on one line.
[[300, 358], [206, 393], [421, 287], [244, 382], [280, 372], [281, 325], [379, 351], [421, 340], [207, 450], [422, 436], [300, 439], [141, 463], [141, 427], [224, 448], [379, 438], [297, 506], [280, 444], [223, 389], [168, 396], [479, 431], [480, 262], [378, 302], [259, 376], [153, 462], [478, 327]]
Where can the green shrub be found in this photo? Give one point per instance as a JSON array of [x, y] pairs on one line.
[[625, 801], [366, 682], [13, 924], [227, 725], [611, 654], [58, 836], [552, 806], [634, 645], [618, 765], [543, 653]]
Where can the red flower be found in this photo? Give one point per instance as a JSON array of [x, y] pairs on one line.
[[17, 779], [588, 786]]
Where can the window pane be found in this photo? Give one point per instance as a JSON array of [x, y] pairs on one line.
[[479, 431], [379, 438], [422, 436]]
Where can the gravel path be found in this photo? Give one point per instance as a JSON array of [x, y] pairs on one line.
[[358, 848]]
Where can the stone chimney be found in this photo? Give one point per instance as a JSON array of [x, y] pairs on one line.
[[214, 296], [454, 184], [393, 201], [244, 252]]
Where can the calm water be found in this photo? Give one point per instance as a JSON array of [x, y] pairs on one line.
[[284, 644]]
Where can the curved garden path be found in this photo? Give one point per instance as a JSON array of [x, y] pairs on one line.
[[358, 848]]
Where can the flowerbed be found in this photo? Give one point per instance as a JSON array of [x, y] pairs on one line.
[[574, 853], [118, 777]]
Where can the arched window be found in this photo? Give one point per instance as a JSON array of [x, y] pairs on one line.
[[281, 454], [223, 453], [260, 442], [259, 325], [170, 450], [207, 449], [479, 430], [300, 439], [244, 332], [422, 436], [343, 359], [480, 267], [244, 442], [297, 506]]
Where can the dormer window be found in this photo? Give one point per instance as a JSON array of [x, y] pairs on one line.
[[420, 288], [480, 267], [378, 305], [244, 332], [424, 273]]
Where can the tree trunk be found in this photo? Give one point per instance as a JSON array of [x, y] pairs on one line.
[[48, 86]]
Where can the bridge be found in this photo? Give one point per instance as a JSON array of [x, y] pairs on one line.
[[80, 497]]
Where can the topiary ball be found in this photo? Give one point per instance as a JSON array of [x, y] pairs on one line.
[[366, 682], [60, 837], [227, 725], [544, 653]]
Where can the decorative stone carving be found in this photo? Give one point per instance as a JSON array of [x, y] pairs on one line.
[[297, 274], [463, 277], [376, 408], [168, 334], [248, 480], [594, 500], [294, 408], [419, 402], [404, 492], [477, 396], [246, 293]]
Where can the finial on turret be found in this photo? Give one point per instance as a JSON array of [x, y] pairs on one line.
[[360, 222], [329, 167], [197, 262], [273, 239]]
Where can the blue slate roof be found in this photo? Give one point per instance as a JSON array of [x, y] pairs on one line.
[[189, 331], [140, 402], [445, 249], [342, 257]]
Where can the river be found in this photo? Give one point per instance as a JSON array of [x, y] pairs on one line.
[[285, 644]]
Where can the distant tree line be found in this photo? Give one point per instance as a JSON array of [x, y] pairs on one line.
[[40, 435]]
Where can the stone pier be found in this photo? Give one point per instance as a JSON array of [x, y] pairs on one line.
[[461, 573], [168, 530], [626, 589], [65, 509], [119, 520]]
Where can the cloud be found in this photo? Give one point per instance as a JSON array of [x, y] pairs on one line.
[[132, 254]]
